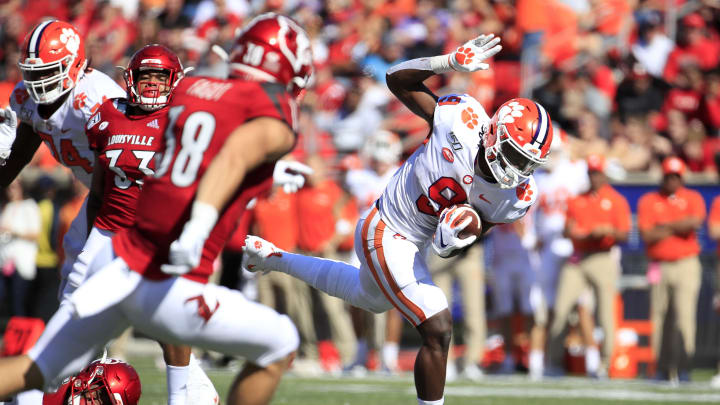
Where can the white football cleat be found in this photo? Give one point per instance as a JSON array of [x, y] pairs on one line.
[[256, 253], [473, 373], [200, 390]]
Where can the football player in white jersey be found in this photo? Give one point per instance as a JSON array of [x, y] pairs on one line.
[[57, 96], [468, 158], [53, 103]]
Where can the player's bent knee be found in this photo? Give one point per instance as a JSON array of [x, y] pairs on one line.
[[284, 345], [437, 330]]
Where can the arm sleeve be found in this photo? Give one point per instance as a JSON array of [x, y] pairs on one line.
[[714, 217], [417, 64], [644, 214], [624, 217], [698, 207]]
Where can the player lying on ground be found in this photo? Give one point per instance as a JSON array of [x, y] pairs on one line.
[[468, 158], [103, 382], [221, 145]]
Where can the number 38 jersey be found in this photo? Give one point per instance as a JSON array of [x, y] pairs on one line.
[[64, 132], [201, 117], [441, 174], [126, 146]]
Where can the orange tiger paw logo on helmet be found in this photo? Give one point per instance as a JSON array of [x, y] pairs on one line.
[[469, 118], [524, 192], [464, 55]]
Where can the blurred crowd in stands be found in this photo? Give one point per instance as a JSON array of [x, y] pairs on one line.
[[635, 81]]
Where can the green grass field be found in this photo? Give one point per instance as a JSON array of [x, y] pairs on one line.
[[493, 390]]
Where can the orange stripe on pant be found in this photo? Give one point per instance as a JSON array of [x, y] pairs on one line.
[[396, 291]]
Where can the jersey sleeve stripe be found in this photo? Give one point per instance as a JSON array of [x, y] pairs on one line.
[[35, 39], [273, 90], [380, 251], [541, 131]]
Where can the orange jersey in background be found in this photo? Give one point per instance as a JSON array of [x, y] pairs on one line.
[[592, 209], [316, 219], [655, 208], [276, 219], [714, 217]]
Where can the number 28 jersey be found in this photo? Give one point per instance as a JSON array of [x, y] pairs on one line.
[[126, 146], [201, 117], [441, 173]]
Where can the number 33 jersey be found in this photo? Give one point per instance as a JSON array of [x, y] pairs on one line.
[[64, 132], [441, 174], [125, 146]]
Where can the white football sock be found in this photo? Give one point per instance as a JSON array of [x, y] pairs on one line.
[[177, 378], [536, 364], [440, 401], [536, 360], [333, 277], [390, 355], [592, 360]]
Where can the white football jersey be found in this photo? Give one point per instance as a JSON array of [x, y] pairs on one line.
[[64, 132], [441, 173]]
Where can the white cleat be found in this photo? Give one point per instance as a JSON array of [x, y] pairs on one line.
[[200, 390], [715, 382], [473, 373], [256, 253]]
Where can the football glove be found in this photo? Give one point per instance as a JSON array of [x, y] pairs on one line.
[[8, 129], [185, 253], [446, 239], [470, 56], [289, 175]]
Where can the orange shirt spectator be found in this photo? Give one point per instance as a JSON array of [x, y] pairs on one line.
[[611, 16], [599, 218], [276, 219], [349, 214], [316, 218], [561, 35], [668, 218], [714, 221], [532, 15]]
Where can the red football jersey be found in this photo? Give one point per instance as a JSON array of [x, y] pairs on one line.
[[202, 115], [126, 146]]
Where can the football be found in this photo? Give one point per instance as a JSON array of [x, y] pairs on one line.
[[475, 225]]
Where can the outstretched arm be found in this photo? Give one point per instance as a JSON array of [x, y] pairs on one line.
[[406, 79]]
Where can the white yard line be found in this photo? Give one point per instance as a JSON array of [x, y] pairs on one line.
[[528, 391]]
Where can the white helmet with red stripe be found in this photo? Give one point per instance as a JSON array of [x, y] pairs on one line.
[[518, 141], [53, 58]]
